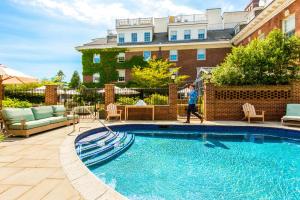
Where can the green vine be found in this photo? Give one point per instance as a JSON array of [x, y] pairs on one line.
[[108, 65]]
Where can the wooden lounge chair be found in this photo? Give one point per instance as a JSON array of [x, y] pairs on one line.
[[292, 116], [112, 111], [250, 112]]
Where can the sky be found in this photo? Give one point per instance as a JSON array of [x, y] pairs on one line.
[[38, 37]]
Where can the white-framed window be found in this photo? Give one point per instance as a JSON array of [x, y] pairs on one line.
[[173, 55], [96, 58], [187, 34], [201, 54], [147, 55], [173, 35], [134, 37], [121, 38], [201, 34], [121, 75], [121, 57], [289, 25], [96, 78], [147, 37]]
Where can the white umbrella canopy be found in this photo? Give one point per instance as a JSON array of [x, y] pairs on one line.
[[122, 91], [42, 89], [11, 76]]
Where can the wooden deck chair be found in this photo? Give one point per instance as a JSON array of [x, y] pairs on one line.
[[250, 112], [113, 112]]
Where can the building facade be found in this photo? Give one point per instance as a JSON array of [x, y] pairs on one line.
[[194, 42]]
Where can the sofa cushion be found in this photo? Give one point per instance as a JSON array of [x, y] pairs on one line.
[[54, 120], [30, 125], [15, 115], [42, 112], [58, 110], [70, 117], [291, 118], [293, 110]]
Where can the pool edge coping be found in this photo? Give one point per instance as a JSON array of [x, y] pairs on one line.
[[82, 178]]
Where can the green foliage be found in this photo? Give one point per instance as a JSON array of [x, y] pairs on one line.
[[157, 99], [15, 103], [108, 64], [59, 77], [26, 95], [75, 80], [274, 60], [22, 87], [156, 74], [127, 100]]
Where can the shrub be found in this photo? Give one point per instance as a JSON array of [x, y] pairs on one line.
[[127, 100], [15, 103], [157, 99], [274, 60]]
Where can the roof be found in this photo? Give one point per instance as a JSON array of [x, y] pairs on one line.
[[162, 38]]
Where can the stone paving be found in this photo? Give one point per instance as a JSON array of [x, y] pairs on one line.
[[45, 166], [30, 168]]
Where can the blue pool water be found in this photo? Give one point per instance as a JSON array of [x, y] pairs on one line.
[[193, 168]]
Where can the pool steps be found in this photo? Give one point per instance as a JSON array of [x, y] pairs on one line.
[[101, 147]]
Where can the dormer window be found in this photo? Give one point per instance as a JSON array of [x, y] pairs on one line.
[[96, 78], [201, 34], [134, 37], [96, 58], [121, 38], [187, 34], [173, 36]]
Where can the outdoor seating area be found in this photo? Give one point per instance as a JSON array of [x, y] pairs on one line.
[[292, 117], [28, 121]]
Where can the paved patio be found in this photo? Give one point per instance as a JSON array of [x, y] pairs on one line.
[[34, 168]]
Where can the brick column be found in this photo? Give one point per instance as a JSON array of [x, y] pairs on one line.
[[296, 91], [173, 101], [51, 96], [109, 94], [209, 101]]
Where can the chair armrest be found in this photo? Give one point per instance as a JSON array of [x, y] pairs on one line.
[[262, 112], [120, 111], [23, 123]]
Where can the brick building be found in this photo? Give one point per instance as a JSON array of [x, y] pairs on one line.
[[196, 42]]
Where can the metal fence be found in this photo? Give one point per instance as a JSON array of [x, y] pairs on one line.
[[32, 97], [149, 96]]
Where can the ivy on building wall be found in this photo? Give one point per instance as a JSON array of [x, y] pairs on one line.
[[107, 68]]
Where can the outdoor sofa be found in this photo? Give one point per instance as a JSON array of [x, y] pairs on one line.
[[292, 116], [28, 121]]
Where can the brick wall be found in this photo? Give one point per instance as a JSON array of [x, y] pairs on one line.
[[187, 59], [276, 22], [51, 97], [225, 103]]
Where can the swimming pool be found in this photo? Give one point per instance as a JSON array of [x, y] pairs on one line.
[[205, 162]]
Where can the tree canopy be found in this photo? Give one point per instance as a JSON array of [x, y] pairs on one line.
[[75, 80], [274, 60], [157, 74]]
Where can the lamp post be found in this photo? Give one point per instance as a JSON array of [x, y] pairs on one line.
[[173, 77], [209, 77]]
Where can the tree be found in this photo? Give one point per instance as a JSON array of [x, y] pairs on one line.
[[75, 80], [59, 77], [274, 60], [156, 74]]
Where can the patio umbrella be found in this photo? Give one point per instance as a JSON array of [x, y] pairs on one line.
[[122, 91], [11, 76]]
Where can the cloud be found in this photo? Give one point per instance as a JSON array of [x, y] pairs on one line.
[[99, 12]]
